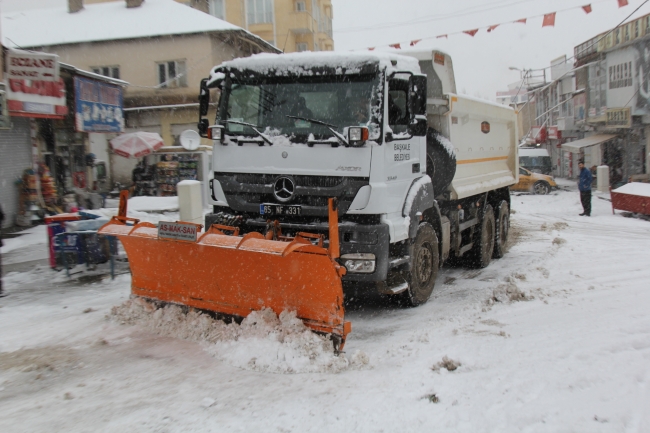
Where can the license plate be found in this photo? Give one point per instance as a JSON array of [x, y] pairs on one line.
[[280, 209]]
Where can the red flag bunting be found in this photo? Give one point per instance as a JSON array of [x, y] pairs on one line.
[[396, 46], [442, 36], [471, 32], [622, 3], [549, 20], [492, 27], [415, 42], [587, 9], [523, 21]]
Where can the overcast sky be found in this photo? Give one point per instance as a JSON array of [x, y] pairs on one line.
[[481, 62]]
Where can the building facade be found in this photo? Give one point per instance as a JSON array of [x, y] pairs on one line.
[[597, 107], [161, 48]]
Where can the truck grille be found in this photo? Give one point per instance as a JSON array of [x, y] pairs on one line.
[[245, 191]]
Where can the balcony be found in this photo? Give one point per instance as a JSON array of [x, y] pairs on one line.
[[301, 22]]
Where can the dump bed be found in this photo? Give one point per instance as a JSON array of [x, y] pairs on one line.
[[484, 137]]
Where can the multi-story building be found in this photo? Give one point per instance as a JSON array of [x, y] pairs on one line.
[[290, 25], [597, 108]]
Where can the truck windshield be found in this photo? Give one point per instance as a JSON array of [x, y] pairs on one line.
[[351, 101]]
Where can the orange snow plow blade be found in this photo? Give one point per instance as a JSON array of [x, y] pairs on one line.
[[235, 275]]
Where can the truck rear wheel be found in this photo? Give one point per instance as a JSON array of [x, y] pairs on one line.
[[424, 266], [502, 229], [484, 241]]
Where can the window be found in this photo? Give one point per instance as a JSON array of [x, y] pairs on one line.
[[301, 46], [300, 7], [259, 11], [217, 9], [172, 74], [107, 71]]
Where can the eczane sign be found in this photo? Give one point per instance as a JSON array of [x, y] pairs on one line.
[[32, 66]]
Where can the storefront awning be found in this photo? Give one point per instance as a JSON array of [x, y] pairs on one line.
[[576, 146]]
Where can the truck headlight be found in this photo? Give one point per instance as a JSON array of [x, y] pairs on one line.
[[359, 263], [215, 132], [357, 134]]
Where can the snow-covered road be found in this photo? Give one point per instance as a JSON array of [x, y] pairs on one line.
[[569, 353]]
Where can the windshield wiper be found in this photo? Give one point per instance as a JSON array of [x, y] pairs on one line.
[[340, 137], [253, 127]]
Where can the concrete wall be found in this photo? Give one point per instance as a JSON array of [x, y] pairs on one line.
[[16, 152]]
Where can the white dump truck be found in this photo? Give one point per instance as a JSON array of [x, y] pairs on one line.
[[420, 174]]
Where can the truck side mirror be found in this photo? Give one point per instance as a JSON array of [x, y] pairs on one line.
[[417, 96], [204, 98]]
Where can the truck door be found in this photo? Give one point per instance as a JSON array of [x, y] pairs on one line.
[[404, 157]]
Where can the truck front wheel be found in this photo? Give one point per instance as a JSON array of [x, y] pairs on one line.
[[424, 266]]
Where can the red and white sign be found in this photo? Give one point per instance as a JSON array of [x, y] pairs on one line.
[[34, 88], [177, 231], [26, 65], [554, 133], [538, 134]]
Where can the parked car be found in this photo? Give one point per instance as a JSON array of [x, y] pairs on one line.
[[534, 182]]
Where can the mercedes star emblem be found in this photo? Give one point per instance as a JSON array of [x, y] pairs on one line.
[[285, 154], [284, 189]]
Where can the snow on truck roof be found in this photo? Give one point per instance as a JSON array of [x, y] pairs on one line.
[[108, 21], [304, 63]]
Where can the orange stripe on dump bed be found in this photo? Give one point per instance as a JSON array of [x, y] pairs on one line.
[[472, 161]]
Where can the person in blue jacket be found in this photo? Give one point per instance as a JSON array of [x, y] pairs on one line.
[[584, 185]]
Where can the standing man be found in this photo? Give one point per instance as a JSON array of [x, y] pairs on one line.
[[584, 185]]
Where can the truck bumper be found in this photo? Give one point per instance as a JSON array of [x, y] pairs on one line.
[[354, 238]]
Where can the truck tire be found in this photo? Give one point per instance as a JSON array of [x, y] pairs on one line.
[[441, 165], [424, 266], [502, 230], [483, 249]]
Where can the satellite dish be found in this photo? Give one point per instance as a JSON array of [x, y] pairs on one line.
[[190, 140]]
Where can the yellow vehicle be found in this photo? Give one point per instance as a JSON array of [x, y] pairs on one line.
[[534, 182]]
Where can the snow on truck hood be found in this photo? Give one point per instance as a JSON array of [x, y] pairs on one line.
[[304, 63]]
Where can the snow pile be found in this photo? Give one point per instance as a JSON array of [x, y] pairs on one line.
[[635, 188], [446, 144], [263, 342]]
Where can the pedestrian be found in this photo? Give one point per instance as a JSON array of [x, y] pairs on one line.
[[584, 185]]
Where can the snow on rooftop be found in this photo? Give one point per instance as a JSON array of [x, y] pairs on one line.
[[303, 62], [107, 21]]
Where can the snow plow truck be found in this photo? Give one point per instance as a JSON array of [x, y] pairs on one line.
[[333, 172]]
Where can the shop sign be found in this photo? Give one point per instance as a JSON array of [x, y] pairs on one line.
[[98, 106], [24, 65], [538, 134], [554, 133], [579, 104], [619, 118], [33, 86]]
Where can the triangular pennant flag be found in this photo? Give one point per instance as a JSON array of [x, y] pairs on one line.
[[396, 46], [549, 20], [587, 9], [622, 3], [442, 36], [415, 42], [371, 49], [523, 21], [492, 27], [471, 32]]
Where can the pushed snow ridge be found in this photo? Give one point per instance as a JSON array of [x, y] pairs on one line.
[[263, 341]]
